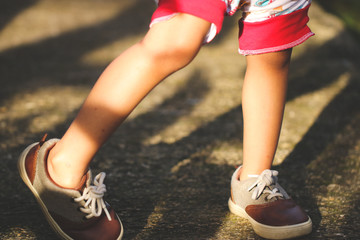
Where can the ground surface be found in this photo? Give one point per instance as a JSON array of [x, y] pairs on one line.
[[169, 166]]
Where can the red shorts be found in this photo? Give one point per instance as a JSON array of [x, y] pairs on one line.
[[212, 11], [270, 35]]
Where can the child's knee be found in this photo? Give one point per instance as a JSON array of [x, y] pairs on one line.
[[181, 48], [176, 42], [175, 51]]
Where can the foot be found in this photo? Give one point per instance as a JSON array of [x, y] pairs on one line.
[[79, 213], [270, 210]]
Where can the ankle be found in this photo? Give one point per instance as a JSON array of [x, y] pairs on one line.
[[249, 173], [61, 173], [245, 177]]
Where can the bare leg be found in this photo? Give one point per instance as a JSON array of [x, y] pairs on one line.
[[263, 101], [125, 82]]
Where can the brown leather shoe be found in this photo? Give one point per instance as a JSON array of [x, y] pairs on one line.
[[73, 213], [270, 210]]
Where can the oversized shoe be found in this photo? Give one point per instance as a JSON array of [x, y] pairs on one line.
[[271, 212], [79, 213]]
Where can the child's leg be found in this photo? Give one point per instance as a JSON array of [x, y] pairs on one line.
[[260, 198], [263, 102], [267, 34], [167, 47]]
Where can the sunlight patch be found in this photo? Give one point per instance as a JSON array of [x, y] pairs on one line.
[[301, 113], [49, 19]]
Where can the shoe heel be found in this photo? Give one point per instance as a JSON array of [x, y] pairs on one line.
[[237, 210], [21, 166]]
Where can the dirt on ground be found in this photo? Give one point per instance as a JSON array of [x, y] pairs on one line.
[[169, 165]]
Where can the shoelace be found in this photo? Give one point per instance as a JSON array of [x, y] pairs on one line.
[[266, 179], [93, 197]]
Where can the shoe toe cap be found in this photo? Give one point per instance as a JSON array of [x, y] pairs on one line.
[[283, 212]]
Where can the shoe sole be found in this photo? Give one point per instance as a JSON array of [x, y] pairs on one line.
[[272, 232], [51, 221]]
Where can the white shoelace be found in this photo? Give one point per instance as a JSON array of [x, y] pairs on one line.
[[93, 197], [266, 179]]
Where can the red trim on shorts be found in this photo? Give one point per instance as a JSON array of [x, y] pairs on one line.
[[212, 11], [275, 34]]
